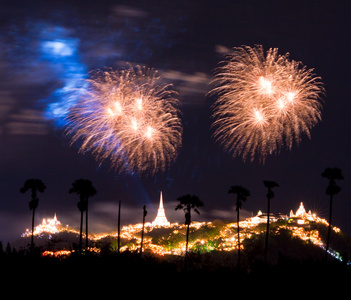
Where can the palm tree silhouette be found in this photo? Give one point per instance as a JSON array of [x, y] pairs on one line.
[[119, 227], [35, 185], [187, 203], [84, 188], [270, 195], [241, 196], [142, 231], [332, 174]]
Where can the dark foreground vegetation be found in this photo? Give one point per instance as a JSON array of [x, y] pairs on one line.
[[212, 273], [292, 264]]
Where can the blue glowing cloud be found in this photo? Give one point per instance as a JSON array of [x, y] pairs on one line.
[[61, 52]]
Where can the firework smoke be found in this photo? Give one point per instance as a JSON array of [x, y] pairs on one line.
[[128, 118], [264, 101]]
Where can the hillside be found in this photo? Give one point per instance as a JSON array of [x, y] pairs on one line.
[[299, 236]]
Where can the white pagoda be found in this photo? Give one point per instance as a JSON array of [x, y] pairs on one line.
[[302, 216], [161, 219], [301, 213]]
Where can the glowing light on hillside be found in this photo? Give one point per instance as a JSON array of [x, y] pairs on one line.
[[296, 222]]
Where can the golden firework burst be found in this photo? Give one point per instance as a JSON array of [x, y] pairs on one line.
[[130, 118], [264, 101]]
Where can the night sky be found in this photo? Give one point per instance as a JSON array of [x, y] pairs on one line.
[[48, 47]]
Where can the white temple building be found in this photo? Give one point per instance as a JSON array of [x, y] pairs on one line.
[[47, 225], [302, 217], [161, 219]]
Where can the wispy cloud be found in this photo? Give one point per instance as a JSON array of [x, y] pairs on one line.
[[222, 49], [26, 122], [128, 11], [188, 84]]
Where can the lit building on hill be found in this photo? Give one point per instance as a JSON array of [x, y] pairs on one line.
[[262, 218], [50, 226], [301, 217], [161, 219]]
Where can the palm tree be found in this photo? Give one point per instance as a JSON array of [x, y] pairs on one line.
[[270, 195], [119, 227], [142, 231], [332, 174], [35, 185], [82, 206], [84, 188], [187, 203], [241, 196]]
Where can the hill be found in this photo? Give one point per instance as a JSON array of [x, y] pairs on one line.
[[300, 235]]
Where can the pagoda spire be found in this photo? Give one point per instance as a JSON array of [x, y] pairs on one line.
[[161, 219], [161, 202]]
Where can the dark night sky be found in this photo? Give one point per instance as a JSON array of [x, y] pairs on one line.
[[48, 47]]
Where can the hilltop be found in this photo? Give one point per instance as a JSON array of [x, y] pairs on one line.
[[300, 235]]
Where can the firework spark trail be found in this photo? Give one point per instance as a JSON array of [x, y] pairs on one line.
[[264, 101], [129, 118]]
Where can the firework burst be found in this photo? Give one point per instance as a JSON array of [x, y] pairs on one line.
[[264, 101], [129, 118]]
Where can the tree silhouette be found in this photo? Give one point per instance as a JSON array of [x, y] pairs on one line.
[[332, 174], [35, 185], [119, 228], [8, 248], [270, 195], [187, 203], [84, 188], [241, 196], [142, 231]]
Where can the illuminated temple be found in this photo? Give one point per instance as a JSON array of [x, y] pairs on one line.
[[161, 219], [48, 225]]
